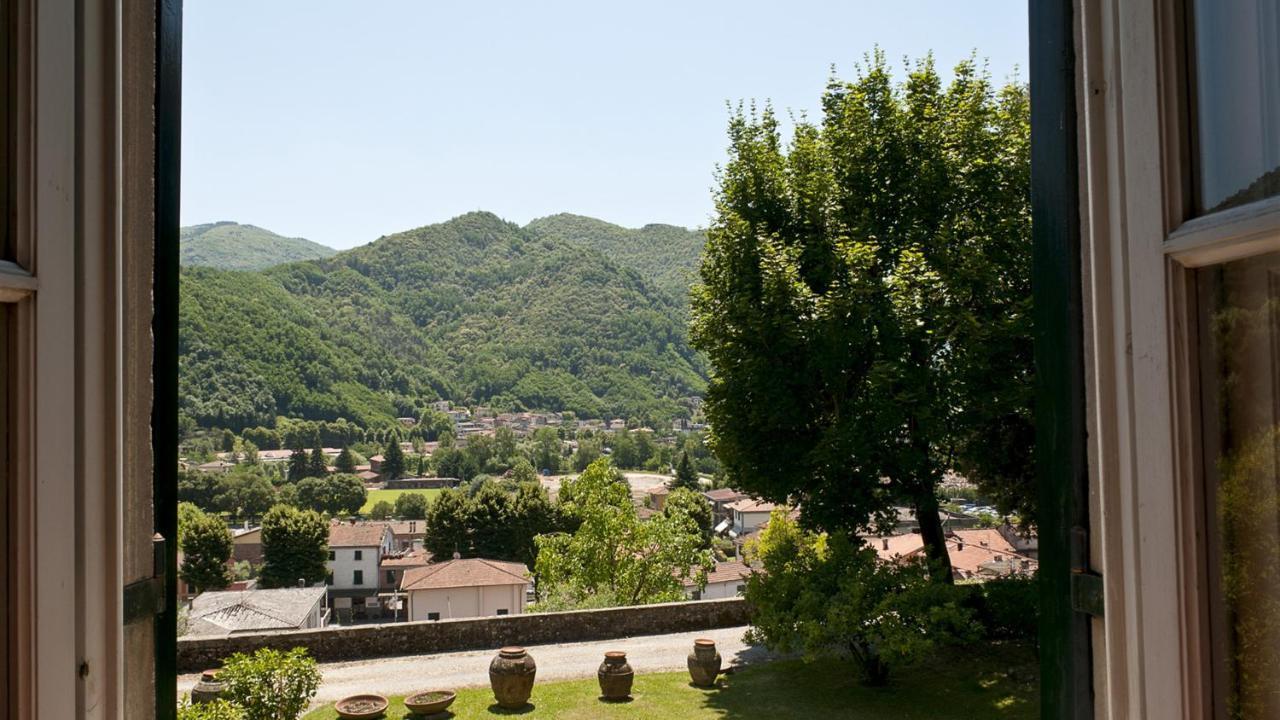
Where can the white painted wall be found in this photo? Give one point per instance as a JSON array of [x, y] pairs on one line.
[[466, 602], [745, 522], [717, 590]]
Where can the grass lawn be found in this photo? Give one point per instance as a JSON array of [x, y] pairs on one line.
[[391, 495], [999, 682]]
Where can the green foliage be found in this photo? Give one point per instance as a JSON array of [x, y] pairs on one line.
[[532, 514], [336, 494], [488, 518], [548, 452], [411, 506], [383, 510], [271, 685], [295, 544], [613, 552], [232, 246], [820, 594], [188, 513], [522, 472], [1009, 607], [198, 488], [694, 506], [345, 462], [865, 300], [393, 459], [244, 492], [216, 710], [475, 309], [299, 465], [446, 529], [686, 477], [206, 548]]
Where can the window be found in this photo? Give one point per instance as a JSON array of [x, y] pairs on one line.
[[328, 578], [697, 594], [502, 611], [333, 555], [1237, 85], [358, 555], [433, 616], [357, 577], [391, 577], [740, 589]]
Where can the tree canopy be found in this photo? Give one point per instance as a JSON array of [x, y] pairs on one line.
[[865, 300], [295, 545]]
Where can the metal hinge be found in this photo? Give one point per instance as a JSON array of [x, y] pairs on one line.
[[144, 599], [1086, 585]]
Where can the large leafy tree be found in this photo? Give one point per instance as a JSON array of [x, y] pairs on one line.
[[532, 514], [411, 506], [694, 506], [488, 519], [206, 548], [295, 545], [613, 554], [865, 298], [446, 529], [337, 494]]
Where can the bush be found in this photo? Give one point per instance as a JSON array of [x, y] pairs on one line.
[[1008, 608], [216, 710], [271, 685]]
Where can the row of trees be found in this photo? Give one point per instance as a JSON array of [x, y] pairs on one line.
[[295, 546]]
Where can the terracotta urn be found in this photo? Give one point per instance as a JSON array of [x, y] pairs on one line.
[[615, 676], [704, 663], [208, 689], [511, 675]]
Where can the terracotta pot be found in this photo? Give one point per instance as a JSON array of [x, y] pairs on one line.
[[615, 676], [208, 689], [430, 702], [511, 675], [361, 707], [704, 663]]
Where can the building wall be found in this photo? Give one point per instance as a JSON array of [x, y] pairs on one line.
[[343, 566], [454, 603], [335, 643], [746, 522]]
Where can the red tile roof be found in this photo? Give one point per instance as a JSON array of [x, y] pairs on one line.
[[969, 550], [407, 560], [752, 505], [471, 572], [361, 535]]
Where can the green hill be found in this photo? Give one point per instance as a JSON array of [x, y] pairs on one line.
[[232, 246], [475, 310], [665, 255]]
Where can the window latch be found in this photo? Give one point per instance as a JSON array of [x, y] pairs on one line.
[[145, 598]]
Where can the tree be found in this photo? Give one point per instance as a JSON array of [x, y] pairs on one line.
[[345, 462], [865, 301], [522, 472], [206, 548], [488, 519], [299, 465], [446, 525], [228, 441], [383, 510], [547, 450], [590, 449], [271, 684], [393, 459], [686, 477], [532, 514], [411, 506], [694, 506], [317, 466], [245, 494], [333, 494], [613, 554], [198, 488], [830, 594], [188, 513], [295, 545]]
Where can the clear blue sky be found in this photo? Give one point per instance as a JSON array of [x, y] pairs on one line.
[[343, 121]]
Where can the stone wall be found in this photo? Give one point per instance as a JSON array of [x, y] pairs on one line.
[[405, 638]]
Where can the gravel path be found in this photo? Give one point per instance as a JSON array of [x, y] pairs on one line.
[[402, 675]]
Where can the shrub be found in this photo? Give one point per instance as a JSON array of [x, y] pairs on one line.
[[216, 710], [1008, 608], [271, 685]]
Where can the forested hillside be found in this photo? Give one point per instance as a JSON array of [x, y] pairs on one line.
[[232, 246], [473, 310], [664, 255]]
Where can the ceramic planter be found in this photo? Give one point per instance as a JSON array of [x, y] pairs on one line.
[[704, 663], [361, 707], [511, 675], [615, 676], [430, 702], [208, 689]]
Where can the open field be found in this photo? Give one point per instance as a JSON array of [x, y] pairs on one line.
[[990, 682], [391, 495]]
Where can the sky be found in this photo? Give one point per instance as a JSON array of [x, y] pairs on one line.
[[344, 121]]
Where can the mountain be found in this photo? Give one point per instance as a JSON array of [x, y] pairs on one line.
[[665, 255], [474, 310], [232, 246]]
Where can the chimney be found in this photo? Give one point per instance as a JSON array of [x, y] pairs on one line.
[[413, 526], [302, 582], [457, 555], [960, 546], [884, 543]]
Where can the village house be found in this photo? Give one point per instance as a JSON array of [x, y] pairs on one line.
[[727, 579], [232, 612], [748, 514], [658, 497], [408, 534], [391, 572], [246, 545], [355, 554], [720, 500], [975, 553], [459, 588]]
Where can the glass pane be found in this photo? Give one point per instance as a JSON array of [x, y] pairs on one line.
[[1237, 79], [1240, 351]]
